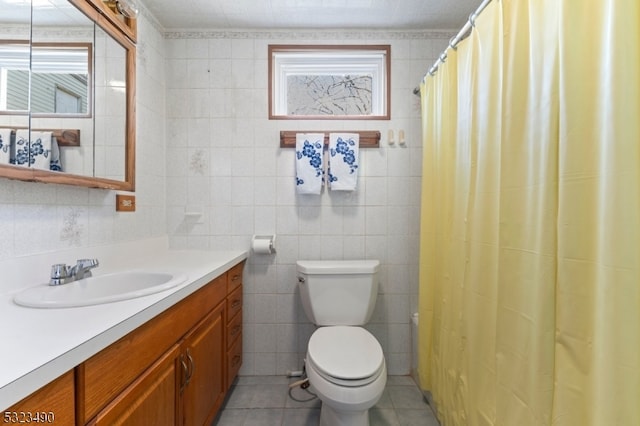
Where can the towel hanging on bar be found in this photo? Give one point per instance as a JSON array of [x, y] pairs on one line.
[[6, 144], [309, 164], [343, 161]]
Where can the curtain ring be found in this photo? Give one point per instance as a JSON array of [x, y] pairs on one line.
[[453, 45], [432, 70], [443, 57], [472, 19]]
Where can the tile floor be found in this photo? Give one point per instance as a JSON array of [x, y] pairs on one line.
[[265, 401]]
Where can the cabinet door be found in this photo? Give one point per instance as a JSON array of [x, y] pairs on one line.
[[150, 400], [202, 356], [54, 403]]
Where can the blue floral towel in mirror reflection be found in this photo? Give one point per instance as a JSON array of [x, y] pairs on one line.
[[38, 149]]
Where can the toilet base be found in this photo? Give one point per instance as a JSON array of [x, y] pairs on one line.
[[330, 417], [344, 406]]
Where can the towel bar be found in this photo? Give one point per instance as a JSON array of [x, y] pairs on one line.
[[64, 137], [368, 138]]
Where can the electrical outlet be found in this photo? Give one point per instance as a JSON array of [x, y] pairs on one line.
[[125, 203]]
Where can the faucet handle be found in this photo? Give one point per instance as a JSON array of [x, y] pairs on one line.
[[88, 263], [59, 270]]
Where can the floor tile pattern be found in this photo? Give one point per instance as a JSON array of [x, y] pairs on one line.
[[267, 401]]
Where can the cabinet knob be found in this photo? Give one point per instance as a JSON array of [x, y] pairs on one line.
[[236, 303]]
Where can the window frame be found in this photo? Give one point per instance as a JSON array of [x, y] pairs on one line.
[[289, 60]]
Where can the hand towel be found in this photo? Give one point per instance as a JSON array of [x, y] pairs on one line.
[[56, 164], [343, 161], [6, 136], [21, 149], [41, 150], [35, 153], [309, 170]]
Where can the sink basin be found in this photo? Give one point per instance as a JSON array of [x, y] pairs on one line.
[[97, 290]]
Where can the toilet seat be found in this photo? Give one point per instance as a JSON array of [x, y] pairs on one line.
[[344, 355]]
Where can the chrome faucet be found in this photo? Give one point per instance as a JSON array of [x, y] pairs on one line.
[[63, 274]]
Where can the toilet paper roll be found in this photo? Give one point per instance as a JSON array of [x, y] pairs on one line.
[[263, 244]]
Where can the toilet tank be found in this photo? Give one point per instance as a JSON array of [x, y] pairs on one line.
[[338, 292]]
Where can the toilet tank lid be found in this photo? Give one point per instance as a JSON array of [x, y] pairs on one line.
[[327, 267]]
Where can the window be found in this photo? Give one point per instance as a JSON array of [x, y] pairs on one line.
[[329, 82]]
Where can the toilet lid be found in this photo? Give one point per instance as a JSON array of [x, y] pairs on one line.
[[343, 352]]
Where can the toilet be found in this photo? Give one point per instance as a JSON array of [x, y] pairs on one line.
[[344, 362]]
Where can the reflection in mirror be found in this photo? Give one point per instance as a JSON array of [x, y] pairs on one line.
[[111, 106], [14, 75], [15, 33], [80, 80], [62, 40], [61, 78]]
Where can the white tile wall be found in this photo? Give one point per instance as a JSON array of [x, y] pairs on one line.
[[217, 104], [204, 143]]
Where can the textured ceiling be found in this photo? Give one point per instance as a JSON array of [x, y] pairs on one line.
[[312, 14]]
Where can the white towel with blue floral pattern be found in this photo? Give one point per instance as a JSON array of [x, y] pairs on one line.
[[343, 161], [21, 149], [5, 145], [36, 153], [56, 163], [309, 170]]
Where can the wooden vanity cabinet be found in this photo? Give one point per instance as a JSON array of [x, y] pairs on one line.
[[103, 377], [184, 387], [172, 370], [233, 331], [53, 403]]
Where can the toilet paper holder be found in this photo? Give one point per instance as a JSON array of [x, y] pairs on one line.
[[263, 244]]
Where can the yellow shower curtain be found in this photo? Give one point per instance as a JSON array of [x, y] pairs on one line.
[[530, 240]]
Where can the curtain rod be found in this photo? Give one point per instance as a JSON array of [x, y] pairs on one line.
[[453, 43]]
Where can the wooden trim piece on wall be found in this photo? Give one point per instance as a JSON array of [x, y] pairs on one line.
[[368, 138], [65, 137]]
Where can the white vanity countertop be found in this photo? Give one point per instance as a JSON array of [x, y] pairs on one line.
[[39, 345]]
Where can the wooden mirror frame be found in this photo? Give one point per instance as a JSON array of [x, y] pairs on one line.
[[94, 10]]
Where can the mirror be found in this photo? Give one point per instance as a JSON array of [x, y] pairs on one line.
[[66, 95], [14, 75], [15, 29], [60, 79]]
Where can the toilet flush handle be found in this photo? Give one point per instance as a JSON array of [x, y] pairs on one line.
[[301, 280]]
